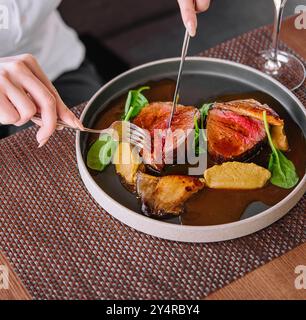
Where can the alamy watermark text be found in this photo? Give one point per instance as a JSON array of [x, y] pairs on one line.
[[4, 17], [300, 21]]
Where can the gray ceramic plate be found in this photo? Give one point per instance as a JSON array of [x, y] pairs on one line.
[[208, 78]]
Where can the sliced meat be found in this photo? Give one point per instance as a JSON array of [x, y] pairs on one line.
[[251, 108], [233, 136], [166, 195], [156, 116]]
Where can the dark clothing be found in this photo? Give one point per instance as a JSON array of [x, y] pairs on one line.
[[79, 85], [74, 87]]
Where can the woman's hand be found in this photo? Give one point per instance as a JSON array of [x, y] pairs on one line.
[[189, 9], [25, 91]]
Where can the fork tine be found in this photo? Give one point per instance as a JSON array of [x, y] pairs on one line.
[[133, 134], [138, 129], [145, 143], [136, 139], [136, 134], [136, 143], [142, 143]]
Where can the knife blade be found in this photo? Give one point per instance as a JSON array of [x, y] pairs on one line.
[[179, 77]]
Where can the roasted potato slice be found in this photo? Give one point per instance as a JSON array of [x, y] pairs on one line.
[[127, 162], [236, 175], [279, 138]]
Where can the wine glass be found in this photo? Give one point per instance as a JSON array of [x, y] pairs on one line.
[[281, 65]]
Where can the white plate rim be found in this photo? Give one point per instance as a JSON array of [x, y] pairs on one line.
[[186, 233]]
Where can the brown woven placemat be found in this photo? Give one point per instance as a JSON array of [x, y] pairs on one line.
[[64, 246]]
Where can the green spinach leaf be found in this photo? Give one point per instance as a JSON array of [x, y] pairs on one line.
[[97, 156], [198, 148], [107, 152], [282, 169], [102, 151], [135, 102], [203, 114]]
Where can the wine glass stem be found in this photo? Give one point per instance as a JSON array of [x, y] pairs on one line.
[[279, 10]]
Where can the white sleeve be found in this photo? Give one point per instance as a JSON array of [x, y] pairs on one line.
[[23, 17]]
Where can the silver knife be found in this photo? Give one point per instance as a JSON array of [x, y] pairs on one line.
[[178, 81]]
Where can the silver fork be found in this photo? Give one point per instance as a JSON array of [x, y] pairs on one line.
[[119, 130]]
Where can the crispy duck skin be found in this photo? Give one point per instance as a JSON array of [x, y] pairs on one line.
[[166, 195], [156, 116], [232, 136], [251, 108]]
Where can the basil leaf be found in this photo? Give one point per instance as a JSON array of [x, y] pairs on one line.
[[135, 102], [93, 160], [282, 169]]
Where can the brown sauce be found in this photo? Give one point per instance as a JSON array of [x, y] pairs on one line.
[[212, 207]]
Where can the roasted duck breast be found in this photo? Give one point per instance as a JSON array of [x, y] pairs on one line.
[[154, 118], [235, 130]]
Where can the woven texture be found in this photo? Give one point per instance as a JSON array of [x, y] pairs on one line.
[[64, 246]]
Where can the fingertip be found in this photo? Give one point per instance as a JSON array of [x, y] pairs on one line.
[[72, 120], [42, 138], [79, 124], [191, 28], [203, 6], [42, 143], [68, 116]]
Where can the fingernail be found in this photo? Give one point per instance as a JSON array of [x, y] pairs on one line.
[[78, 123], [43, 142], [191, 28]]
